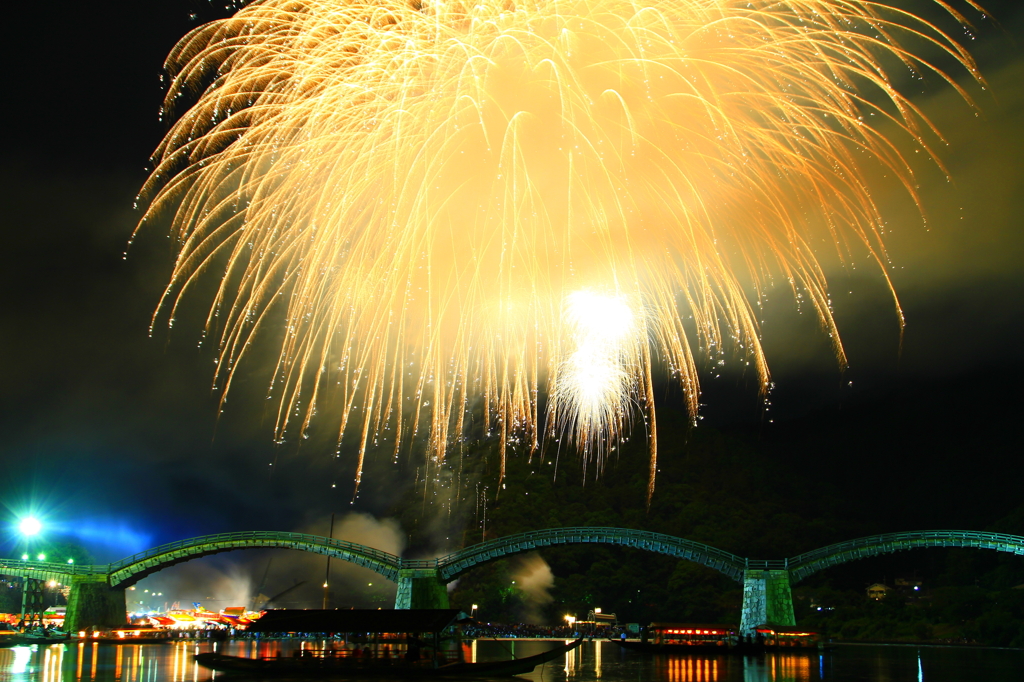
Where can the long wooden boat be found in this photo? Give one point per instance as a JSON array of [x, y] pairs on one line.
[[681, 639], [677, 649], [684, 638], [326, 664], [32, 638]]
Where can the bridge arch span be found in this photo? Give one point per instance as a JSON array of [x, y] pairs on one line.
[[453, 565], [130, 570], [804, 565]]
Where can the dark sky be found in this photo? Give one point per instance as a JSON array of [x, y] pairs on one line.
[[113, 436]]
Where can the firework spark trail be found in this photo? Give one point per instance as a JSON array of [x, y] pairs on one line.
[[419, 188]]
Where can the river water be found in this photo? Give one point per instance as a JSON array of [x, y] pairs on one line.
[[593, 662]]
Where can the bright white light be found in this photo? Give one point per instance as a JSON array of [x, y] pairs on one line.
[[30, 526], [601, 326], [600, 369], [601, 319]]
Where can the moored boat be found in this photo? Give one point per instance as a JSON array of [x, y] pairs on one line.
[[684, 638], [373, 643], [43, 636], [696, 638], [787, 638]]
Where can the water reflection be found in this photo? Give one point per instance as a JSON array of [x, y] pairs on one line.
[[688, 668], [593, 662], [573, 661], [96, 662], [783, 668]]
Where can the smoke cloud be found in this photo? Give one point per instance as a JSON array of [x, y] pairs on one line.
[[534, 579], [384, 534], [348, 584], [216, 583]]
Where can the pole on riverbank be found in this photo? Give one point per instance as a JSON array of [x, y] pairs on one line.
[[327, 577]]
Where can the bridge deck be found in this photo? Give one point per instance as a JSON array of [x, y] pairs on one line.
[[131, 569]]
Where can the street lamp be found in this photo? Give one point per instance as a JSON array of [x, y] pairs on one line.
[[472, 611], [29, 526]]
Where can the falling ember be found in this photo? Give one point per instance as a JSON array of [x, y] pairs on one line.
[[418, 197]]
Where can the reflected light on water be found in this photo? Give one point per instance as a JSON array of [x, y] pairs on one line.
[[20, 659], [687, 669], [53, 657], [592, 662], [22, 656], [791, 668], [572, 661]]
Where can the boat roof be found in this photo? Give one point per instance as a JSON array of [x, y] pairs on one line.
[[785, 630], [691, 626], [391, 621]]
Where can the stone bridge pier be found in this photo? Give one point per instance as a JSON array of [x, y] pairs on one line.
[[767, 598], [92, 602], [421, 588]]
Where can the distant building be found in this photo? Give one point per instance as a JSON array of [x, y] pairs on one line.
[[911, 590], [878, 591]]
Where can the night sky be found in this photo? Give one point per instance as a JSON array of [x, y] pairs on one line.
[[113, 435]]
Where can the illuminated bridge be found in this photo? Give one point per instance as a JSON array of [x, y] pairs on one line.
[[97, 592]]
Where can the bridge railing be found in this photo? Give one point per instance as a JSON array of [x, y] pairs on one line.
[[51, 567], [622, 536], [256, 536], [809, 563], [954, 538], [766, 564], [420, 563]]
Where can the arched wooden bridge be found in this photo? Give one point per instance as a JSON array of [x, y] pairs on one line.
[[766, 583], [451, 566]]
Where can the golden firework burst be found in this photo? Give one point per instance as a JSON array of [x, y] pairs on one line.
[[514, 209]]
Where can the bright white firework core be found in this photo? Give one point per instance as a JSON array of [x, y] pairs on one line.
[[604, 333]]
